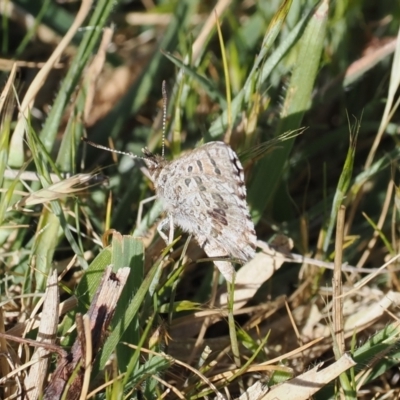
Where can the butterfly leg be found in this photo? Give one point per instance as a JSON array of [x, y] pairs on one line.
[[140, 209], [167, 239], [171, 229]]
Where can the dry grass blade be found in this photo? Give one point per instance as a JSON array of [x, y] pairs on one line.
[[380, 224], [40, 78], [47, 334], [365, 315], [367, 279], [45, 70], [390, 105], [9, 65], [256, 272], [4, 365], [337, 285], [255, 392], [207, 381], [7, 90], [305, 385], [99, 314], [19, 329], [94, 71]]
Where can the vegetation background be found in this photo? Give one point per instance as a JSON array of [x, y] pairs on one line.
[[255, 74]]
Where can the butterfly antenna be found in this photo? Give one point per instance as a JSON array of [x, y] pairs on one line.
[[99, 146], [164, 119]]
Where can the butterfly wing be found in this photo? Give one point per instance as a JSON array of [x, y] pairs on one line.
[[205, 193]]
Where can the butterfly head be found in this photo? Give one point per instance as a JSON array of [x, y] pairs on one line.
[[154, 162]]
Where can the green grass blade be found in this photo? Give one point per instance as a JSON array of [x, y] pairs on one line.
[[269, 170], [54, 16], [151, 76], [373, 357], [48, 236], [100, 15], [218, 127], [122, 321], [205, 83], [128, 251], [341, 190]]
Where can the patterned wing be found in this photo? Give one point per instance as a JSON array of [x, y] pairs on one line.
[[229, 208], [205, 194]]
